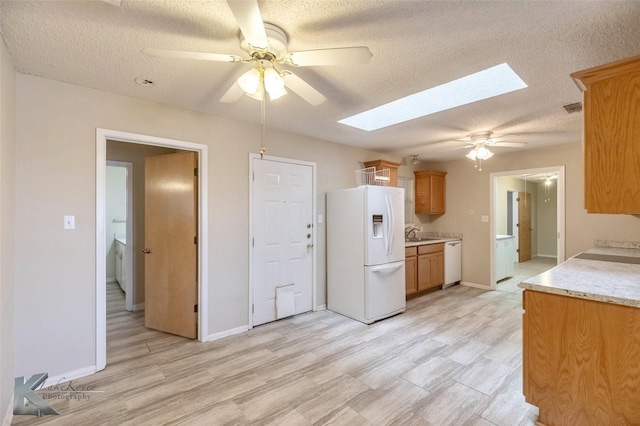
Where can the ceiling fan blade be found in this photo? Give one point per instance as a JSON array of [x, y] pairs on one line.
[[249, 19], [303, 89], [234, 93], [337, 56], [509, 144], [185, 54]]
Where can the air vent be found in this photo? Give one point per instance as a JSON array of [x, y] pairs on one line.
[[571, 108]]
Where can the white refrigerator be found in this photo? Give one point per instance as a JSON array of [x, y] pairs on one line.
[[365, 252]]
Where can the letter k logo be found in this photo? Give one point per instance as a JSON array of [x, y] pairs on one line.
[[24, 393]]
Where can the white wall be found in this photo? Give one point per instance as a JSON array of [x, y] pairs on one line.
[[116, 213], [56, 122], [7, 234]]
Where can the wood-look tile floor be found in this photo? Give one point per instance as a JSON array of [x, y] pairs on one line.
[[453, 358]]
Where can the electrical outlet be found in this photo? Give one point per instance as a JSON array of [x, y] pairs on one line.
[[484, 218]]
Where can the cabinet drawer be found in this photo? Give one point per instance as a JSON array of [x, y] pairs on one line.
[[410, 251], [430, 248]]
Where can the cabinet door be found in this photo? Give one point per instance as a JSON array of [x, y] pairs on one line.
[[436, 194], [611, 137], [424, 272], [436, 277], [411, 275], [422, 193]]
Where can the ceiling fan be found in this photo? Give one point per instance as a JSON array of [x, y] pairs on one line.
[[480, 143], [266, 48]]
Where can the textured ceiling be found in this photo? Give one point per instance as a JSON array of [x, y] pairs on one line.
[[415, 44]]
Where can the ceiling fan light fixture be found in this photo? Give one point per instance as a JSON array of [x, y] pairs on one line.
[[273, 83], [473, 154], [250, 80], [483, 153]]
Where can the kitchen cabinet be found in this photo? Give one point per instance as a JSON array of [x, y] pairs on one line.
[[611, 136], [430, 192], [430, 266], [580, 360], [384, 164], [411, 270], [505, 256]]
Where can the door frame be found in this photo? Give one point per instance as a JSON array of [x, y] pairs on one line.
[[102, 135], [313, 229], [560, 213], [128, 279]]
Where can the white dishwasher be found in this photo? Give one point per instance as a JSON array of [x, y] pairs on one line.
[[452, 263]]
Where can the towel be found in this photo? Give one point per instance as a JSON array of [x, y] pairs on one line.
[[285, 301]]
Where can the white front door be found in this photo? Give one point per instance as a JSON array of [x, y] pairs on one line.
[[282, 239]]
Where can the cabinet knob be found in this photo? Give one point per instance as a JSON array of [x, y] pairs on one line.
[[146, 250], [309, 246]]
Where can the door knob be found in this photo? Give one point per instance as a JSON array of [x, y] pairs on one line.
[[146, 251]]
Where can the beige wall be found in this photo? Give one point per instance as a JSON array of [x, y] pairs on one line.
[[56, 126], [7, 234], [468, 189], [136, 153]]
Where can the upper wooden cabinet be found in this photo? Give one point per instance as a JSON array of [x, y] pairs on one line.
[[384, 164], [430, 191], [612, 136]]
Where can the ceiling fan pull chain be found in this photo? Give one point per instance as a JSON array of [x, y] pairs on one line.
[[262, 119]]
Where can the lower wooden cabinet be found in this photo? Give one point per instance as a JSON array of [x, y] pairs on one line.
[[411, 270], [424, 268], [580, 360]]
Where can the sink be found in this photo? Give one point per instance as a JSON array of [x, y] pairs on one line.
[[418, 239]]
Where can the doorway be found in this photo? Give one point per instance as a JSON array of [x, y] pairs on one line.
[[102, 135], [282, 235], [119, 227], [504, 200]]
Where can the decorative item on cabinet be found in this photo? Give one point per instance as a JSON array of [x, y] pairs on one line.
[[384, 164], [430, 192], [611, 136]]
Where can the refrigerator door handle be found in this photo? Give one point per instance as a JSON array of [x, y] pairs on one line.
[[389, 239], [387, 268]]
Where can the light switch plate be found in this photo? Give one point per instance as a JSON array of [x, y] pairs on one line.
[[69, 222], [484, 218]]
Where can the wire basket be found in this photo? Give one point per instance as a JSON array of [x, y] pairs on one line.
[[371, 176]]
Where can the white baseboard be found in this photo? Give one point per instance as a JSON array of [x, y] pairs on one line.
[[226, 333], [138, 307], [474, 285], [551, 256], [71, 375], [8, 417], [321, 308]]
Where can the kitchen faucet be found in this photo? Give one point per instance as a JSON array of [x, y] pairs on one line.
[[410, 230]]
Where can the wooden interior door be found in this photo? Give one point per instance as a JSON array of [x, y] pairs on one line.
[[171, 254], [524, 226]]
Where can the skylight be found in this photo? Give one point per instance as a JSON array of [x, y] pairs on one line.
[[475, 87]]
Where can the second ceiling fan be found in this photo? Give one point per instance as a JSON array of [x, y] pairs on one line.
[[266, 47]]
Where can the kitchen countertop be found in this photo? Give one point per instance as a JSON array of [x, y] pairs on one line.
[[614, 278], [504, 237], [429, 241]]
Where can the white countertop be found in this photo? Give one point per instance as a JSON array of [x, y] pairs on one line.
[[603, 281], [504, 237], [122, 238]]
